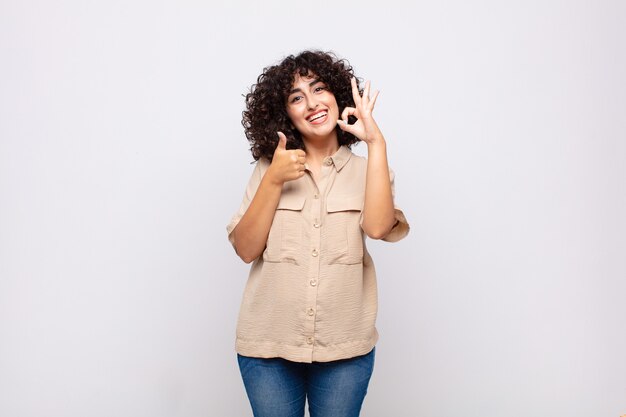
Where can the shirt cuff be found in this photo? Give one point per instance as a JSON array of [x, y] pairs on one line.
[[229, 229], [400, 229]]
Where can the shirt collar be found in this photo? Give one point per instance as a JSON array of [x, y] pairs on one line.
[[341, 157]]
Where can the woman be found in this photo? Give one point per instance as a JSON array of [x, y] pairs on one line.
[[306, 324]]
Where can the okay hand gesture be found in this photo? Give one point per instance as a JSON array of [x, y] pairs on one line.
[[365, 127]]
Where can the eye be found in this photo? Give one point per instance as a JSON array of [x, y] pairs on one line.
[[319, 88], [295, 99]]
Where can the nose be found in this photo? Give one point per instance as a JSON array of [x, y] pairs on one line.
[[312, 103]]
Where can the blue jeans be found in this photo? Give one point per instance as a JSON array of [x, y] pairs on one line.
[[277, 387]]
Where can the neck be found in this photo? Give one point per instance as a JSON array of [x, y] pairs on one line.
[[317, 150]]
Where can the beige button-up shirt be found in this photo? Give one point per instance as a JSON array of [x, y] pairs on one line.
[[312, 295]]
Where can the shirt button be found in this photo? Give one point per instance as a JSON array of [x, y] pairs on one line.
[[313, 282], [314, 252], [328, 162], [315, 196], [316, 225], [310, 311], [309, 340]]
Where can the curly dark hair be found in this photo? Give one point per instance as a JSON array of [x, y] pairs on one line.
[[266, 111]]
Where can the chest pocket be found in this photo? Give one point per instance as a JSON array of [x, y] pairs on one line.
[[342, 229], [284, 243]]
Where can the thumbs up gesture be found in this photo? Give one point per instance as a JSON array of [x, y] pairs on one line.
[[287, 164]]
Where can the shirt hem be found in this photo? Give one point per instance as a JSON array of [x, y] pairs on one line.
[[305, 354]]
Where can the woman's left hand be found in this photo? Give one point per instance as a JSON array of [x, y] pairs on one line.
[[365, 127]]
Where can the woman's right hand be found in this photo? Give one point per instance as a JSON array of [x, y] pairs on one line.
[[287, 164]]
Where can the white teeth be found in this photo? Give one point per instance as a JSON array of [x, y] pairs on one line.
[[318, 116]]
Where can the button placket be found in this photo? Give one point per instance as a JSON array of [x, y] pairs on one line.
[[309, 308]]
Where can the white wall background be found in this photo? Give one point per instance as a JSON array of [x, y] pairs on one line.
[[122, 159]]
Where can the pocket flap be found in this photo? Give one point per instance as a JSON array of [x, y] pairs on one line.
[[344, 203], [291, 201]]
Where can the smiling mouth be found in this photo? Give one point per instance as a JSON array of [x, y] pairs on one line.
[[318, 117]]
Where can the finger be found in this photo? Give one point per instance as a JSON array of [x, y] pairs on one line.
[[348, 111], [301, 159], [345, 126], [299, 152], [355, 92], [373, 100], [282, 141], [366, 91]]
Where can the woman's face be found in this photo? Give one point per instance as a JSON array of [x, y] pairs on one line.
[[312, 108]]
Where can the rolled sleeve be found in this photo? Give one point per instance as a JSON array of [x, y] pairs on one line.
[[401, 228], [251, 188]]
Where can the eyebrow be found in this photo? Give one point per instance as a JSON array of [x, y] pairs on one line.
[[311, 84]]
